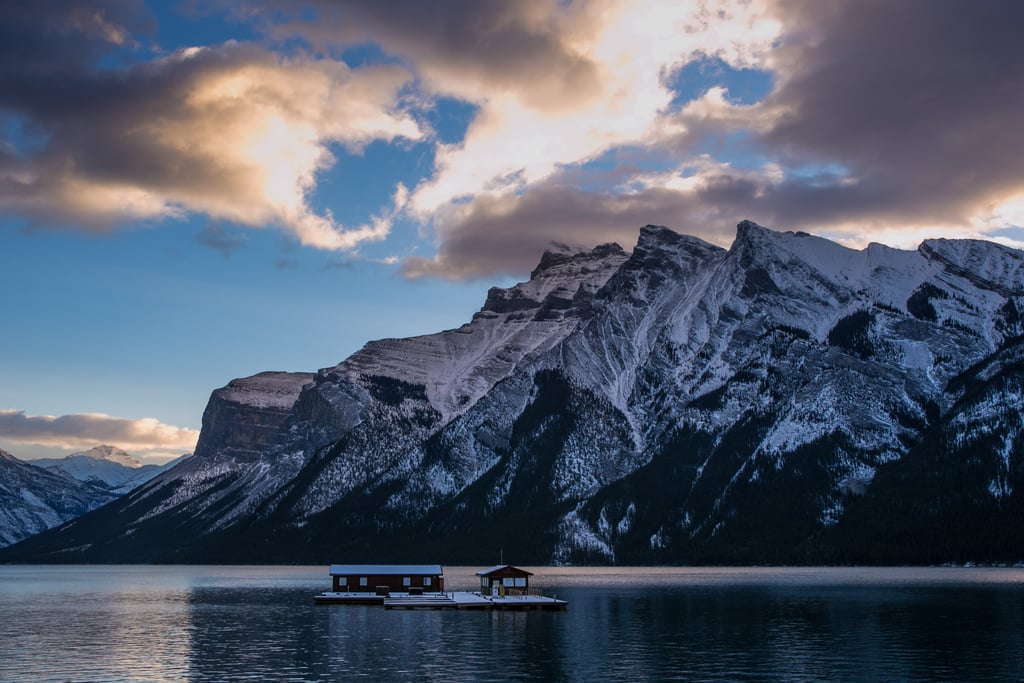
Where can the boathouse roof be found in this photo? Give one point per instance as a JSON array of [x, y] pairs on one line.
[[386, 569], [503, 568]]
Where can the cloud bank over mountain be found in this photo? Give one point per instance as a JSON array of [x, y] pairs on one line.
[[862, 121], [88, 429]]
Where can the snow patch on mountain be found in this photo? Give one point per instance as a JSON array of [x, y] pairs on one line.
[[457, 367], [576, 536], [33, 499], [276, 390], [106, 466]]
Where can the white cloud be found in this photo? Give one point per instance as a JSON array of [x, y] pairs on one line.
[[512, 145], [232, 132], [89, 429]]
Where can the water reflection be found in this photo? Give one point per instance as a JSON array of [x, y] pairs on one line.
[[236, 623], [798, 634], [90, 624]]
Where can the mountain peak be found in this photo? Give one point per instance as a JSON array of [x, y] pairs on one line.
[[746, 229], [753, 239], [651, 231], [985, 263], [658, 238], [109, 454], [558, 254], [563, 274]]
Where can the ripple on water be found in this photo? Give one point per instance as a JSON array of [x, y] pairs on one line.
[[245, 623]]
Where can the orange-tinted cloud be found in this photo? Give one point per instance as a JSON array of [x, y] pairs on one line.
[[89, 429], [233, 131], [886, 122]]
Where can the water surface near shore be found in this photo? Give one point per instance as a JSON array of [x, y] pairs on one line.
[[202, 623]]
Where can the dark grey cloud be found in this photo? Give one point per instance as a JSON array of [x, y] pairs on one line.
[[221, 239], [111, 131], [47, 37], [885, 114], [93, 123], [471, 48], [920, 99], [912, 107], [508, 234]]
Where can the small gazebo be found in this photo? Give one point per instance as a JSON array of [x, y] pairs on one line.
[[504, 579]]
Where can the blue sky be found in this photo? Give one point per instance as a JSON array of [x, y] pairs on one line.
[[192, 192]]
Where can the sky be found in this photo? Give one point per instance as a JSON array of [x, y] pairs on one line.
[[197, 190]]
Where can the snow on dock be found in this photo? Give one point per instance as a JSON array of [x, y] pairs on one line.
[[453, 600], [407, 586]]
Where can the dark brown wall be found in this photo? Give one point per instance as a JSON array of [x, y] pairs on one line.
[[393, 582]]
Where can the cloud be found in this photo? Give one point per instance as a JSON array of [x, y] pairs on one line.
[[886, 119], [223, 240], [233, 131], [888, 123], [634, 45], [555, 83], [533, 50], [89, 429], [83, 31], [507, 234]]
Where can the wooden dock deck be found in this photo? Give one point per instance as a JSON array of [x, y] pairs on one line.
[[330, 598], [454, 600]]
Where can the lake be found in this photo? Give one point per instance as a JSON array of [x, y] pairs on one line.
[[146, 623]]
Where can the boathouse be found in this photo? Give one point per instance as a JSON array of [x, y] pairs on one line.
[[504, 579], [384, 578]]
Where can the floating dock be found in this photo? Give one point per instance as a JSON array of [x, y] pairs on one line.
[[421, 586], [454, 600]]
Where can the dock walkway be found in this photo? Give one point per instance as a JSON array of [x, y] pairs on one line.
[[454, 600]]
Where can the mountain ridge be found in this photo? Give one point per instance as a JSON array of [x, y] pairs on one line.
[[33, 498], [105, 466], [681, 403]]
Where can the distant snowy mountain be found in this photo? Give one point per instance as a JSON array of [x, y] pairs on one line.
[[785, 400], [33, 499], [106, 466]]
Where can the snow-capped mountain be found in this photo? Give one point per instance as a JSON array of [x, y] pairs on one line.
[[784, 400], [105, 466], [33, 499]]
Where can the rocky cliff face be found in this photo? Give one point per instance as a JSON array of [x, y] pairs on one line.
[[247, 414], [682, 403]]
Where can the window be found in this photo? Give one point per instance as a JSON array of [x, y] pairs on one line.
[[508, 582], [426, 580], [362, 581], [520, 582], [342, 580], [406, 580], [483, 583]]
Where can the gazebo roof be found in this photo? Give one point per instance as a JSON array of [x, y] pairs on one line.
[[503, 567]]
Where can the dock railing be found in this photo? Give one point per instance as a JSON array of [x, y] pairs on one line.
[[523, 592]]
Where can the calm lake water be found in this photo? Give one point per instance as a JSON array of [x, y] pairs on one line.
[[102, 623]]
